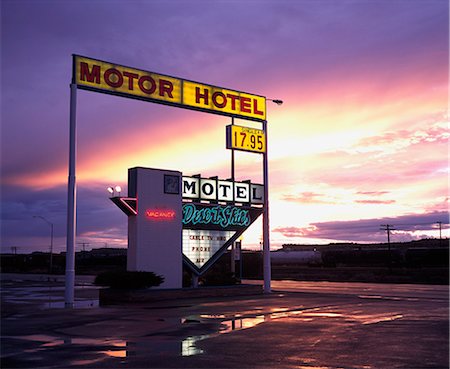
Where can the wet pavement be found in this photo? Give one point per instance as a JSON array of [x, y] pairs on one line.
[[299, 325]]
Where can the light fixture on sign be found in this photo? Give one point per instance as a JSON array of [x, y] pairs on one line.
[[118, 190], [276, 101], [110, 190]]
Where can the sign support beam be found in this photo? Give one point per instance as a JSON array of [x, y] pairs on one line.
[[71, 203], [266, 235], [232, 156]]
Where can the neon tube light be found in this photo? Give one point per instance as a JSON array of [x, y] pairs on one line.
[[160, 214]]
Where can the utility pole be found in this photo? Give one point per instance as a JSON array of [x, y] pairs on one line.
[[440, 233], [388, 228], [51, 240], [83, 245]]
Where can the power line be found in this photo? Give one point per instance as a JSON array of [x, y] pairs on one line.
[[388, 228], [427, 223], [83, 245]]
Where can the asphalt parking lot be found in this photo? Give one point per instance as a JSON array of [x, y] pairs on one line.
[[299, 325]]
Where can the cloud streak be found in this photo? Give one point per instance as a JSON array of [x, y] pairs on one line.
[[368, 230]]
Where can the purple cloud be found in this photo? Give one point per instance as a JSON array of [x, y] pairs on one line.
[[368, 230], [96, 213]]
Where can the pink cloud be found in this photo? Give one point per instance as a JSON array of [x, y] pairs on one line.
[[433, 131], [294, 231], [417, 163], [372, 193], [305, 197], [375, 201], [383, 139], [439, 206]]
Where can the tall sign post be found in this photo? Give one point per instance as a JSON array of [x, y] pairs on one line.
[[110, 78], [255, 140], [266, 233], [71, 202]]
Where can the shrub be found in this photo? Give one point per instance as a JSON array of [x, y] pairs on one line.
[[128, 280], [216, 279]]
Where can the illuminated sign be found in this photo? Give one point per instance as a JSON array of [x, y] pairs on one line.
[[214, 189], [200, 245], [127, 204], [223, 101], [209, 229], [246, 139], [218, 217], [160, 214], [206, 214], [221, 216], [100, 76]]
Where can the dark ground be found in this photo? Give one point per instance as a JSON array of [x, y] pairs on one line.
[[300, 325]]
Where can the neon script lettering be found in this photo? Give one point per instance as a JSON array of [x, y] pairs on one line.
[[160, 214], [223, 216]]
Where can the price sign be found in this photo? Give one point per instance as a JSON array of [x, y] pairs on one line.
[[246, 139]]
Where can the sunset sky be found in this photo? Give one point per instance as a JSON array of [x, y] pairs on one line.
[[360, 140]]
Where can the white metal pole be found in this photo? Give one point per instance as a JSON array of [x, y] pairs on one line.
[[266, 236], [232, 159], [71, 203], [233, 266]]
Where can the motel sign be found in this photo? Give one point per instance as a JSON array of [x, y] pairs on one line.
[[100, 76], [173, 219]]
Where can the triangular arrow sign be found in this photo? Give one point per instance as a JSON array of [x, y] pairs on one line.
[[209, 229]]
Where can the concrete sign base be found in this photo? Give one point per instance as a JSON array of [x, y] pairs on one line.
[[155, 233]]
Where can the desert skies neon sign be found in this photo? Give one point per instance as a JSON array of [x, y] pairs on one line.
[[222, 216], [198, 214]]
